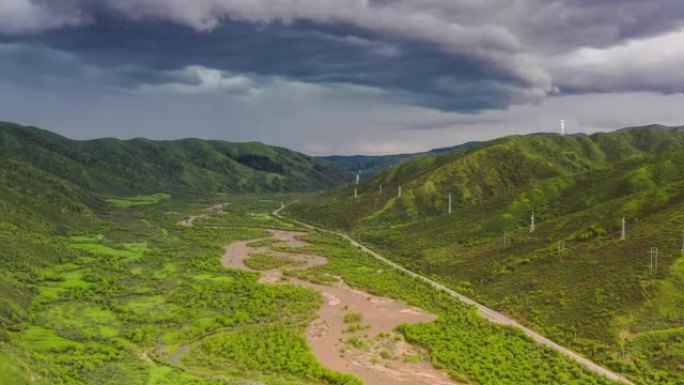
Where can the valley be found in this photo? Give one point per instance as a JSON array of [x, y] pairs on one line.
[[220, 288]]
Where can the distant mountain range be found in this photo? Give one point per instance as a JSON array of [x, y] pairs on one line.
[[370, 165]]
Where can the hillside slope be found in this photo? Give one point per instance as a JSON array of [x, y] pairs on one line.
[[181, 166], [572, 278]]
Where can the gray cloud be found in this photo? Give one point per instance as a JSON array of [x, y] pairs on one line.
[[410, 72], [515, 38], [492, 44], [22, 16]]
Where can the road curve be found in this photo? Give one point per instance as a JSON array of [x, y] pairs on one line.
[[487, 313]]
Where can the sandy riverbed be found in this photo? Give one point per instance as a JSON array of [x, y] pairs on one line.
[[384, 358]]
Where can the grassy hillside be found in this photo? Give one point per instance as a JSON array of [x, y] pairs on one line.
[[185, 166], [597, 293]]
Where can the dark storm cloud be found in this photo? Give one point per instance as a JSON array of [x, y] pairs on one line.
[[504, 52], [151, 53]]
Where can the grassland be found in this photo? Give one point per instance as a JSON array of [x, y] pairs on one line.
[[138, 299], [114, 301]]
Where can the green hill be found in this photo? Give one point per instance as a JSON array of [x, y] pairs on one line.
[[188, 166], [573, 278]]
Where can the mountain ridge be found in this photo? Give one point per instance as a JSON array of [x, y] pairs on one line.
[[185, 166]]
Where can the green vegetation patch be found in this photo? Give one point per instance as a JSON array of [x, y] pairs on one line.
[[81, 321], [45, 340], [93, 238], [128, 252], [138, 200], [269, 349], [351, 318], [214, 278], [17, 368]]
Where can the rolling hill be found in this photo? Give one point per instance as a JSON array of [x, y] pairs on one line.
[[188, 166], [573, 278]]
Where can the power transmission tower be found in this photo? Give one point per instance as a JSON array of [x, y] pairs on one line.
[[654, 259], [532, 225], [358, 177], [562, 128], [356, 195], [624, 229], [507, 239], [449, 203], [399, 194]]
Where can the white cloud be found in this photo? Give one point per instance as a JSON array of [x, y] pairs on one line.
[[648, 64]]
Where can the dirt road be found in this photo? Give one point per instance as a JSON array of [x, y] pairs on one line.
[[213, 210]]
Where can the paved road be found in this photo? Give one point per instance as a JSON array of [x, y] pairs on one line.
[[487, 313]]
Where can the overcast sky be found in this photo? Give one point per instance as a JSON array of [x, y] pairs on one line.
[[340, 76]]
